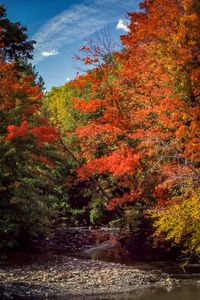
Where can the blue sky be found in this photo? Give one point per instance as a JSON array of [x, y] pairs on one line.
[[60, 28]]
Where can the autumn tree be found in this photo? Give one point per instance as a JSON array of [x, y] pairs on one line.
[[141, 139], [171, 94], [131, 123], [98, 50], [58, 107], [30, 187]]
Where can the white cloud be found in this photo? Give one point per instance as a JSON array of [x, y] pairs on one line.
[[49, 53], [68, 79], [75, 24], [122, 24]]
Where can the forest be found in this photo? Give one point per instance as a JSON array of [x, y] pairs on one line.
[[117, 146]]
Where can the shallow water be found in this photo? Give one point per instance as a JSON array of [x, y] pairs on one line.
[[188, 289], [182, 293], [185, 292]]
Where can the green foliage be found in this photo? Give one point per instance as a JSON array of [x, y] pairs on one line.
[[117, 223], [32, 189], [133, 215], [128, 134], [77, 216], [96, 210], [27, 196], [14, 36]]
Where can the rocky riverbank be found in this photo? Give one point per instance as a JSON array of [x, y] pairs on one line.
[[68, 276]]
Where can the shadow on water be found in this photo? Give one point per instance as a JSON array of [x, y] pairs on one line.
[[186, 289], [99, 253], [186, 292]]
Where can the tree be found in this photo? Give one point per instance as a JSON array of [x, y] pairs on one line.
[[29, 185], [14, 38], [133, 123], [26, 182], [142, 132], [99, 50]]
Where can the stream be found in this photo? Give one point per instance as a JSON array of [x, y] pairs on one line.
[[185, 292], [187, 289], [81, 264]]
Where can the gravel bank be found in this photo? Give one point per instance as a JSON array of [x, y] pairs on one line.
[[66, 276]]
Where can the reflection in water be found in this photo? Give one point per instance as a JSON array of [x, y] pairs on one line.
[[179, 293], [182, 293], [106, 251]]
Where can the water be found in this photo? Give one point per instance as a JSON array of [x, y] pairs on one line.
[[188, 289], [181, 293], [185, 292]]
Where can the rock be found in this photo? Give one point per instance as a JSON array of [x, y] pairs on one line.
[[72, 276]]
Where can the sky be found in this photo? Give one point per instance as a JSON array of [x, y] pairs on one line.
[[60, 28]]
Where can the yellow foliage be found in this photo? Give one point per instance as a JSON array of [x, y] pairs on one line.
[[58, 105], [180, 222]]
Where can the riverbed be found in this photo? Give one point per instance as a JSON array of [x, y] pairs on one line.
[[65, 276], [185, 292], [83, 270]]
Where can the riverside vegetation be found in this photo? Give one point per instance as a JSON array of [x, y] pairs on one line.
[[116, 146]]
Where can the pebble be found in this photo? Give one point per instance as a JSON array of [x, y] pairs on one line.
[[72, 276], [65, 276]]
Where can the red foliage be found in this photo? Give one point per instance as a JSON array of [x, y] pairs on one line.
[[14, 131], [119, 163], [149, 122], [44, 133], [90, 106], [44, 160]]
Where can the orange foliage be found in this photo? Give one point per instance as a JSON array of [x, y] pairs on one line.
[[14, 131], [149, 122], [44, 133], [91, 106], [21, 97], [118, 163], [7, 86], [43, 159]]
